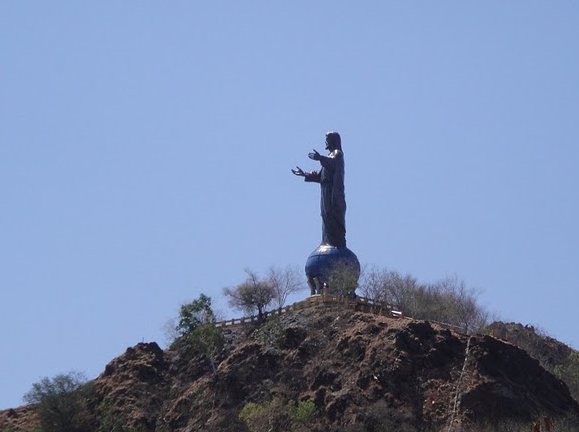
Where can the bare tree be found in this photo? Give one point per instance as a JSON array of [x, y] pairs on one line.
[[461, 305], [343, 280], [428, 303], [284, 282], [252, 295], [448, 300], [390, 288], [372, 284], [401, 290]]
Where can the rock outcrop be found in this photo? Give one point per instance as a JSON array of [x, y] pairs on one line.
[[363, 372]]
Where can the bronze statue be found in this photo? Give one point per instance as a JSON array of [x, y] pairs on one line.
[[333, 200], [331, 267]]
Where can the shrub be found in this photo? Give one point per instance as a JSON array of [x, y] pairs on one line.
[[303, 413], [274, 415], [198, 332], [271, 333], [62, 402], [269, 416]]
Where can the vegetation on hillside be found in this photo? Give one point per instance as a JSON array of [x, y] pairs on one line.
[[448, 300], [197, 332], [255, 294], [62, 402], [275, 415]]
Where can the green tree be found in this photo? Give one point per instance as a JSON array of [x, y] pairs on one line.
[[195, 314], [197, 330], [62, 402]]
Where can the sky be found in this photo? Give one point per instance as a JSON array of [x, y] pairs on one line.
[[146, 147]]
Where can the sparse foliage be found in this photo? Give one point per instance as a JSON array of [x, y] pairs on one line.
[[402, 290], [208, 341], [284, 281], [271, 333], [343, 280], [390, 288], [448, 300], [372, 284], [61, 402], [464, 310], [251, 296]]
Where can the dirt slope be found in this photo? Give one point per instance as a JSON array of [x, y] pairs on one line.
[[364, 373]]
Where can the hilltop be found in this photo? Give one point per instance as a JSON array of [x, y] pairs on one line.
[[363, 372]]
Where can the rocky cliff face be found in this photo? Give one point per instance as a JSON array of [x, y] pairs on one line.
[[363, 372], [18, 419], [550, 352]]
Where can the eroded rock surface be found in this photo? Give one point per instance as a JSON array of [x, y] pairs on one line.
[[363, 372]]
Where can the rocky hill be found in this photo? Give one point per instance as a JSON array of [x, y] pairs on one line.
[[361, 372], [549, 351]]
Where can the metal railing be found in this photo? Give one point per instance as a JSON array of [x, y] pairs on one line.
[[358, 303]]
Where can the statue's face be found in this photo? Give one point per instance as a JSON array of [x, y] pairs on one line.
[[330, 142]]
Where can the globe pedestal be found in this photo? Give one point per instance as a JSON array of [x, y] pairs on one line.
[[334, 269]]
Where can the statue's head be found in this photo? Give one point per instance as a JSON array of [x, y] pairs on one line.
[[333, 141]]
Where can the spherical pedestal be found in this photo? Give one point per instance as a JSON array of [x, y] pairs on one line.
[[335, 268]]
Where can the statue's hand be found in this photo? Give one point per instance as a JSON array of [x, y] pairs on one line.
[[314, 155], [299, 172]]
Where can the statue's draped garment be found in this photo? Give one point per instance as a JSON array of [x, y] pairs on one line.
[[333, 200]]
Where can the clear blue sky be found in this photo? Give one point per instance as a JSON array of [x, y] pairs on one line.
[[146, 147]]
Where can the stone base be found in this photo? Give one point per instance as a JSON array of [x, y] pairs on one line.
[[335, 269]]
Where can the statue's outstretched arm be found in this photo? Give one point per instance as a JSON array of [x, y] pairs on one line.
[[313, 176], [299, 172], [325, 161]]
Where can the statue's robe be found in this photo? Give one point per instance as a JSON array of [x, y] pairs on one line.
[[333, 200]]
